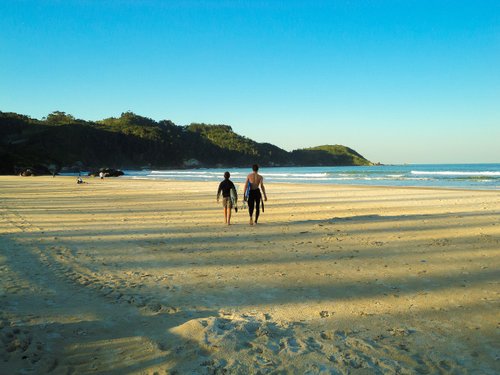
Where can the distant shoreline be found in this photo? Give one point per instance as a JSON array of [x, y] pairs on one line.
[[458, 176], [304, 185]]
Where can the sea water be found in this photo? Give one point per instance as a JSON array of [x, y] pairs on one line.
[[458, 176]]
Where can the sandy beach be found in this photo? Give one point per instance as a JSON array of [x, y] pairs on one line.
[[122, 276]]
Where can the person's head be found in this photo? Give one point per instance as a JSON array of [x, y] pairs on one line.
[[255, 167], [227, 175]]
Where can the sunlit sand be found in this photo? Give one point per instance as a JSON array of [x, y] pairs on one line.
[[126, 276]]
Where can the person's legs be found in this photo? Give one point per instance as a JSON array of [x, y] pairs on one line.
[[227, 210], [257, 208], [251, 206], [228, 214]]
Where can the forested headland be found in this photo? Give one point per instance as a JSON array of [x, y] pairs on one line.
[[62, 142]]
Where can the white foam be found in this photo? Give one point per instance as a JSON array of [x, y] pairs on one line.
[[456, 173], [451, 176], [305, 175], [288, 178]]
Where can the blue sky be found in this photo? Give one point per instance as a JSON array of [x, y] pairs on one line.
[[411, 81]]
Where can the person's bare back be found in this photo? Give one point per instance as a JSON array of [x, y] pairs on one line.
[[255, 180]]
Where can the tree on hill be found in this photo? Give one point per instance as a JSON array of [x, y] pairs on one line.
[[127, 119], [59, 118]]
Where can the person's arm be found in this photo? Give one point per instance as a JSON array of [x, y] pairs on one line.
[[218, 191], [263, 188], [245, 189]]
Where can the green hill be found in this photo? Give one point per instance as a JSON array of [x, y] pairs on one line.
[[132, 141], [328, 155], [242, 148]]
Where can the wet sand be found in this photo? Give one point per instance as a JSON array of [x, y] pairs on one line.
[[122, 276]]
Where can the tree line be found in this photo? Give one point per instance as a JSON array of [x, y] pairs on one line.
[[63, 142]]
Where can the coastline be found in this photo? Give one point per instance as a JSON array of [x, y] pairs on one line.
[[128, 275], [456, 176]]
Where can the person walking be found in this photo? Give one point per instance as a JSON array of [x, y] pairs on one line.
[[225, 188], [256, 182]]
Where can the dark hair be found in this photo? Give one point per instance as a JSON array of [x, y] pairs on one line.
[[255, 167], [227, 175]]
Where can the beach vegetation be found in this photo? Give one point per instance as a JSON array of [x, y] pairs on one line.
[[132, 141]]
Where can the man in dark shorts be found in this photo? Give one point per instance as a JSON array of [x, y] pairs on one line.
[[225, 188]]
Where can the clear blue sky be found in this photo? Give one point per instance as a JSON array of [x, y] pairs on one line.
[[411, 81]]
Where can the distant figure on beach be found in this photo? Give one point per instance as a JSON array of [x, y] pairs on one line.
[[225, 188], [254, 195], [79, 180]]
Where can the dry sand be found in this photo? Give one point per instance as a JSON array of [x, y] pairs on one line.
[[140, 277]]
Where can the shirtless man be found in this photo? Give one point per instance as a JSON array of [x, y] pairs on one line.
[[254, 196]]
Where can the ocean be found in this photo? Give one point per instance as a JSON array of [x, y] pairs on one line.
[[457, 176]]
